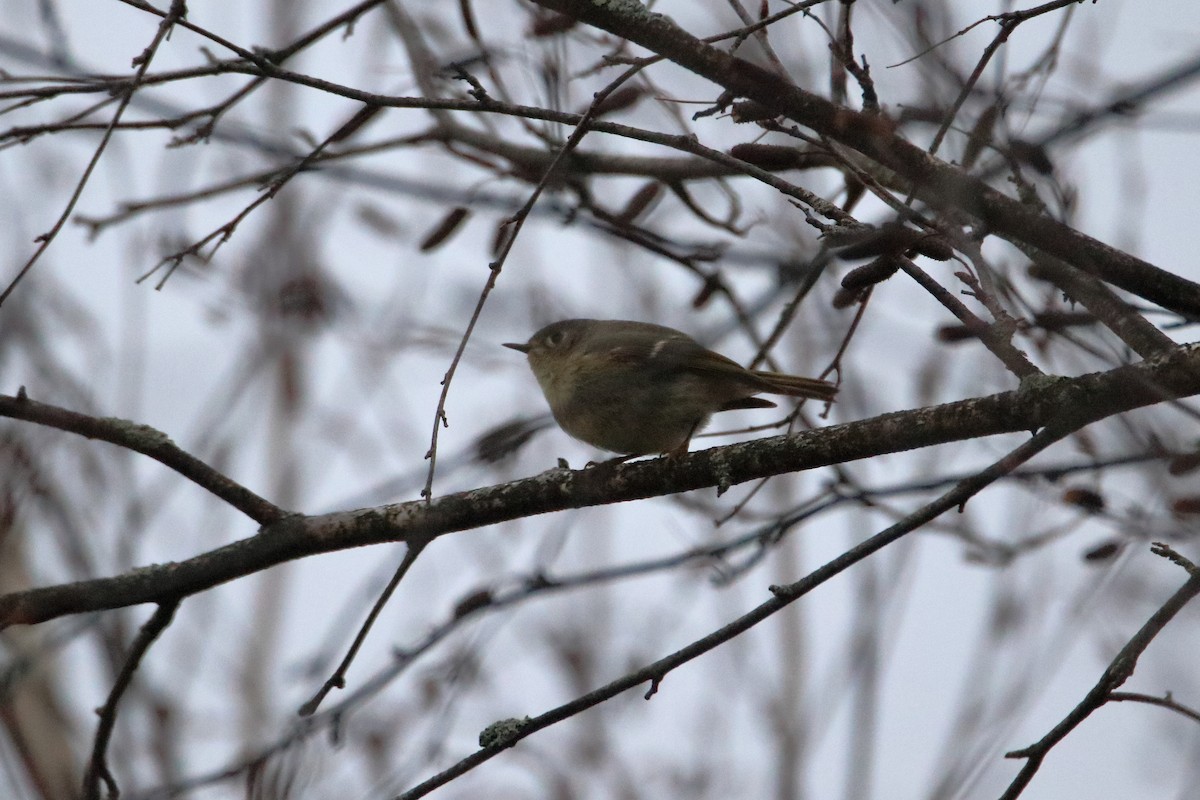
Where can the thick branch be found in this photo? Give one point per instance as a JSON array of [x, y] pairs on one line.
[[783, 596], [935, 182], [1086, 398]]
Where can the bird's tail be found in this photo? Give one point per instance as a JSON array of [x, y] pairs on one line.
[[796, 386]]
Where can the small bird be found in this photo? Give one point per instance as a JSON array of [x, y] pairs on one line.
[[636, 388]]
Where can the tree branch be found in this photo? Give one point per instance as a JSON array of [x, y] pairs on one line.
[[97, 771], [782, 596], [149, 442], [1118, 672], [935, 182], [1089, 398]]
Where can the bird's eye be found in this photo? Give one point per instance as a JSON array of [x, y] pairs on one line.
[[555, 338]]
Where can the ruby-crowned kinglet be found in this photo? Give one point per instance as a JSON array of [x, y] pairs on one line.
[[637, 388]]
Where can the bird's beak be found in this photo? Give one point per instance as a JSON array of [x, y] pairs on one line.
[[520, 348]]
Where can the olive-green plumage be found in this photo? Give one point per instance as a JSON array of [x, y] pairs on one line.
[[637, 388]]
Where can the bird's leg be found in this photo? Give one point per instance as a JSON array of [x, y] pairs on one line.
[[680, 450]]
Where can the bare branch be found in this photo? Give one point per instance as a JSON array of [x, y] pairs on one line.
[[142, 62], [1081, 400], [1118, 672], [98, 772], [784, 596], [149, 442], [935, 182]]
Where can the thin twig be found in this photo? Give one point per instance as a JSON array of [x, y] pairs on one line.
[[223, 233], [514, 225], [1163, 702], [1118, 671], [997, 341], [338, 679], [176, 13], [97, 771], [1006, 28]]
